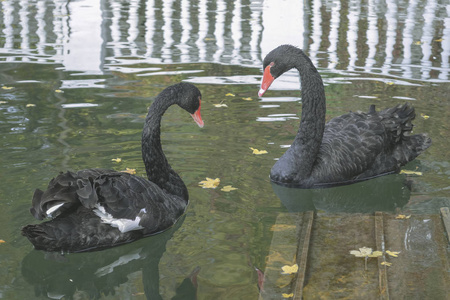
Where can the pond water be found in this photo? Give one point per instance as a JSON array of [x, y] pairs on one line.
[[77, 78]]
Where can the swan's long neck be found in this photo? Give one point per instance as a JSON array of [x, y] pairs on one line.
[[309, 136], [156, 165]]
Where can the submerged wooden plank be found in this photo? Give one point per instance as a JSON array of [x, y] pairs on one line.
[[382, 272], [445, 214]]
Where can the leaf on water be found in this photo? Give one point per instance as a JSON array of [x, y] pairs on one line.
[[129, 171], [210, 39], [7, 87], [118, 160], [385, 263], [287, 295], [59, 91], [3, 102], [247, 99], [439, 40], [389, 83], [228, 188], [418, 43], [2, 242], [392, 253], [366, 252], [220, 105], [407, 172], [209, 183], [258, 152], [289, 269], [230, 95], [281, 227], [402, 217], [30, 105], [424, 116]]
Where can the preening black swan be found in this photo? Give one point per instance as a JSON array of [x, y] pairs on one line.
[[98, 208], [353, 147]]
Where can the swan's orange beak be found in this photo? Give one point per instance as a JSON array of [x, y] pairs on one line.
[[266, 81], [197, 116]]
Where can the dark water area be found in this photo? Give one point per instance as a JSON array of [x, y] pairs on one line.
[[77, 78]]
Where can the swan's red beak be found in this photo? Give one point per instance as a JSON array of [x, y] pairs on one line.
[[266, 81], [197, 116]]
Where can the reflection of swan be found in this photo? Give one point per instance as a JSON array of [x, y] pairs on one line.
[[100, 273], [349, 148], [98, 208], [362, 197]]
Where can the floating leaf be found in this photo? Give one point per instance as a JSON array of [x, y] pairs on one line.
[[228, 188], [7, 87], [210, 39], [258, 152], [58, 91], [3, 102], [389, 83], [418, 43], [424, 116], [407, 172], [118, 160], [209, 183], [287, 295], [220, 105], [439, 40], [289, 269], [230, 95], [281, 227], [403, 217], [247, 99], [129, 171], [30, 105], [2, 242], [385, 263], [366, 252], [392, 253]]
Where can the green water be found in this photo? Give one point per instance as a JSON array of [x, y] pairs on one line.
[[85, 118]]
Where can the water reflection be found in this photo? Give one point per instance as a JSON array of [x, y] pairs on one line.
[[99, 274], [390, 37], [362, 197]]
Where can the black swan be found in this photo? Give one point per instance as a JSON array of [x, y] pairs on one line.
[[350, 148], [95, 209]]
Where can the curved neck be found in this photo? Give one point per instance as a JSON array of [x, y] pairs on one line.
[[156, 165], [309, 136]]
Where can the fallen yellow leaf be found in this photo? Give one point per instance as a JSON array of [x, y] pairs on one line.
[[258, 152], [30, 105], [228, 188], [230, 95], [392, 253], [289, 269], [418, 43], [58, 91], [424, 116], [2, 242], [247, 99], [385, 263], [287, 295], [3, 102], [210, 39], [407, 172], [281, 227], [403, 217], [366, 252], [117, 159], [220, 105], [209, 183], [129, 171], [439, 40], [7, 87], [389, 83]]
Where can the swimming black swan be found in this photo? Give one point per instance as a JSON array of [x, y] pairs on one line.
[[349, 148], [98, 208]]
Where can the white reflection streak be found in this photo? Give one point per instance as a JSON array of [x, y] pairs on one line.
[[236, 33], [133, 31], [372, 36], [391, 19], [8, 11], [219, 32], [149, 26], [167, 29], [25, 32], [115, 30], [256, 34], [352, 34], [40, 32], [186, 31], [427, 38], [446, 47], [202, 30], [62, 36], [316, 31], [407, 38], [334, 36]]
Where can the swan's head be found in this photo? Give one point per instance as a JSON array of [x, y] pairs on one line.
[[278, 61], [190, 98]]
